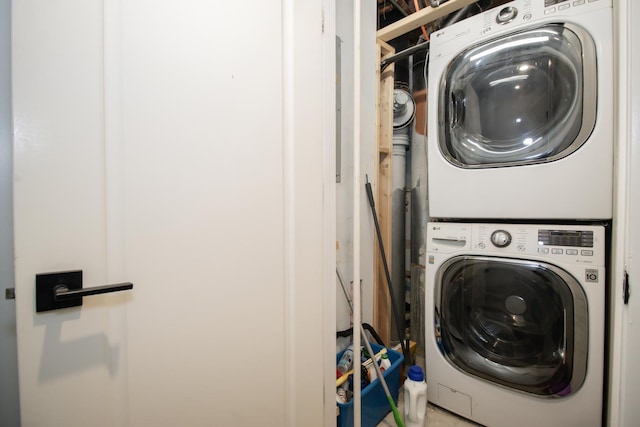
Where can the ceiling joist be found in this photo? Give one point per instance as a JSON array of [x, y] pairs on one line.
[[419, 18]]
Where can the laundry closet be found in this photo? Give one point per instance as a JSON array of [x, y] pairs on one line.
[[526, 309], [206, 155]]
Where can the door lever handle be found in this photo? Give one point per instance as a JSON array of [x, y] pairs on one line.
[[64, 289], [63, 293]]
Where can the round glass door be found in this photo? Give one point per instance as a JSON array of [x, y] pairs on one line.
[[520, 324], [529, 97]]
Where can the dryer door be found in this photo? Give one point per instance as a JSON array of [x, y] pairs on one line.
[[520, 324], [528, 97]]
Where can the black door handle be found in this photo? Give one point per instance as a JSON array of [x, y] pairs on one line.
[[62, 293], [64, 289]]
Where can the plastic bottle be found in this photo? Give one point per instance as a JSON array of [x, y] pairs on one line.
[[346, 361], [383, 362], [415, 398]]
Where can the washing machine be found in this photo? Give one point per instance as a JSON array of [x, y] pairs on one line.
[[515, 322], [521, 113]]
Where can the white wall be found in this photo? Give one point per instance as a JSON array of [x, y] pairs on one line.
[[344, 214], [9, 405]]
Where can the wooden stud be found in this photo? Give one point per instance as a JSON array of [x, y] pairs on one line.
[[384, 143], [419, 18]]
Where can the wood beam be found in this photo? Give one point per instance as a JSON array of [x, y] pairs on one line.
[[419, 18], [383, 190]]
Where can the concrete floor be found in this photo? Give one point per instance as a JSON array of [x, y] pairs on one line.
[[436, 417]]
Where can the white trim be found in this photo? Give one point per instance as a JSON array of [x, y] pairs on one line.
[[617, 329], [357, 303], [625, 348], [288, 135], [10, 403], [329, 207], [309, 217]]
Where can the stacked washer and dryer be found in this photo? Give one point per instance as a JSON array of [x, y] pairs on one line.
[[520, 167]]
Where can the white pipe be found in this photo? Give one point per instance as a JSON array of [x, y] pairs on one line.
[[398, 238], [403, 113], [357, 185]]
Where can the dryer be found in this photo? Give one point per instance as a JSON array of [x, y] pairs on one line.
[[521, 113], [515, 322]]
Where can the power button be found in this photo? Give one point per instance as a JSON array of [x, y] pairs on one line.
[[506, 14]]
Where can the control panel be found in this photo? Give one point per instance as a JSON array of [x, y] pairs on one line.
[[515, 15], [566, 243], [553, 6]]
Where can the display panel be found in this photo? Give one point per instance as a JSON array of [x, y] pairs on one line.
[[573, 238]]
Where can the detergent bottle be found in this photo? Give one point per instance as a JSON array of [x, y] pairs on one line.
[[415, 398]]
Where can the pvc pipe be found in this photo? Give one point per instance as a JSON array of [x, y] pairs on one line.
[[419, 207], [403, 114], [398, 232], [404, 54], [357, 185], [457, 16]]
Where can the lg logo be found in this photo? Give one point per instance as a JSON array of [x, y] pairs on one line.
[[591, 275]]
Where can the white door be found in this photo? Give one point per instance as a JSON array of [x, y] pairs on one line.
[[175, 145]]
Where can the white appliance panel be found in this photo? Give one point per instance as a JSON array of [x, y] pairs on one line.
[[578, 186], [494, 404]]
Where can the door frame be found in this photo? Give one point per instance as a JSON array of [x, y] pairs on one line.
[[10, 403]]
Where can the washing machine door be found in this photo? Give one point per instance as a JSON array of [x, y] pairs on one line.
[[525, 98], [521, 324]]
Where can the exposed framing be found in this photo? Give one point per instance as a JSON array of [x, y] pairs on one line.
[[384, 141], [384, 149], [419, 18]]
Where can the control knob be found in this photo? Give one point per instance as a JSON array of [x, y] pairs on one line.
[[506, 14], [501, 238]]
